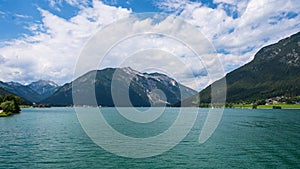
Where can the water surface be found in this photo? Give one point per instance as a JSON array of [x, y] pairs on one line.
[[53, 138]]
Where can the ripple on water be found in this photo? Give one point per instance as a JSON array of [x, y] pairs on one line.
[[53, 138]]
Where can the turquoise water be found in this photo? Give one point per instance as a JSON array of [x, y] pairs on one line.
[[53, 138]]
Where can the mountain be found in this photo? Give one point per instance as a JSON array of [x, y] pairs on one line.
[[274, 71], [21, 90], [142, 89], [33, 92], [45, 88], [4, 93]]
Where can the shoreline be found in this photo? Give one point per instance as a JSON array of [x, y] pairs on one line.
[[267, 108]]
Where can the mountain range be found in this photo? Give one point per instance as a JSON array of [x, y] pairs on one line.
[[274, 71], [143, 89], [34, 92]]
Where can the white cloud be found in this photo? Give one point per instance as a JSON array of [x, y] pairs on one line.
[[146, 45], [243, 35], [58, 4], [77, 2], [172, 5], [55, 4], [21, 16], [51, 52], [237, 29]]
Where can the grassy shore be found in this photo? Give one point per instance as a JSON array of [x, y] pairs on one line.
[[283, 106], [270, 106], [4, 114], [25, 106], [242, 106]]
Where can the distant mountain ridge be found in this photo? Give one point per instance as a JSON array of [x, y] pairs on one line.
[[274, 71], [4, 93], [33, 92], [142, 88], [44, 87]]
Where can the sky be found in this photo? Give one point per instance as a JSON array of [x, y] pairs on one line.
[[42, 39]]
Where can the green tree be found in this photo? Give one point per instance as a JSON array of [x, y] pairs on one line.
[[229, 105], [10, 104], [10, 97], [260, 102], [10, 107]]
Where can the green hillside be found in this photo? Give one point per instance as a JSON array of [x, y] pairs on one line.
[[274, 71]]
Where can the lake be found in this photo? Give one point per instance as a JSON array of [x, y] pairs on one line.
[[54, 138]]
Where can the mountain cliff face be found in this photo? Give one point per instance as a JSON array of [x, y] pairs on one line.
[[144, 89], [274, 71]]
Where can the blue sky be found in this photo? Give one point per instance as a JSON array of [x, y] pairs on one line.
[[40, 39], [16, 15]]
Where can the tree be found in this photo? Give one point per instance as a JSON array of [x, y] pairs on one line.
[[260, 102], [229, 105], [10, 104], [10, 97]]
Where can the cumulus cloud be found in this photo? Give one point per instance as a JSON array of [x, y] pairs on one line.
[[172, 5], [51, 52], [236, 28], [168, 45]]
